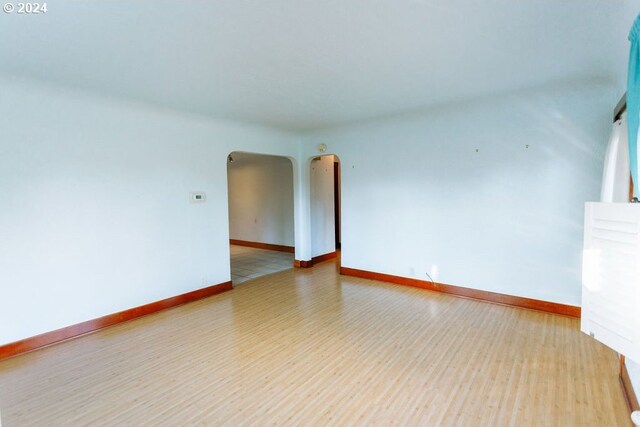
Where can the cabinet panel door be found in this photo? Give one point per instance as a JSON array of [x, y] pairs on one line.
[[610, 276]]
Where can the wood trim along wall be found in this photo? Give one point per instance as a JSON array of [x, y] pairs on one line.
[[302, 264], [315, 260], [259, 245], [73, 331], [627, 387], [493, 297], [326, 257]]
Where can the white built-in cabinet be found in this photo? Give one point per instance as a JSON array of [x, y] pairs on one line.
[[610, 276]]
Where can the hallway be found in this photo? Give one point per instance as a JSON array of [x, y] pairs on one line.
[[249, 263]]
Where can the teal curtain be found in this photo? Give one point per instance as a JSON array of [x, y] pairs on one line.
[[633, 101]]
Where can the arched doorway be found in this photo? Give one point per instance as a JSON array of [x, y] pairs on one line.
[[261, 214]]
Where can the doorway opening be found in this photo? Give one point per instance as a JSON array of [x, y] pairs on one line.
[[261, 220], [326, 200]]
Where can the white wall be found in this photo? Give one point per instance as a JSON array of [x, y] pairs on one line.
[[634, 375], [95, 218], [95, 215], [323, 239], [456, 192], [261, 199]]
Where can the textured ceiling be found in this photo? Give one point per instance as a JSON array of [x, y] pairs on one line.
[[300, 64]]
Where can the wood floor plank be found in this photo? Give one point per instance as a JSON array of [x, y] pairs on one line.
[[311, 347]]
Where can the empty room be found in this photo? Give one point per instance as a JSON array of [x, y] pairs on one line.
[[305, 212]]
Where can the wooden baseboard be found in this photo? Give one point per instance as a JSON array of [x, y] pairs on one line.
[[326, 257], [302, 264], [315, 260], [627, 387], [493, 297], [73, 331], [259, 245]]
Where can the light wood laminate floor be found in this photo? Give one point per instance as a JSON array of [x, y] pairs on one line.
[[310, 347]]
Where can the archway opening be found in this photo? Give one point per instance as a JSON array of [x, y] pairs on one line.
[[261, 215]]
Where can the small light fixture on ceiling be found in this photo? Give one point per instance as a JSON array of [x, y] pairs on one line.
[[229, 158]]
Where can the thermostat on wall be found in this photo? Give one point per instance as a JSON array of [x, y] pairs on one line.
[[197, 197]]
